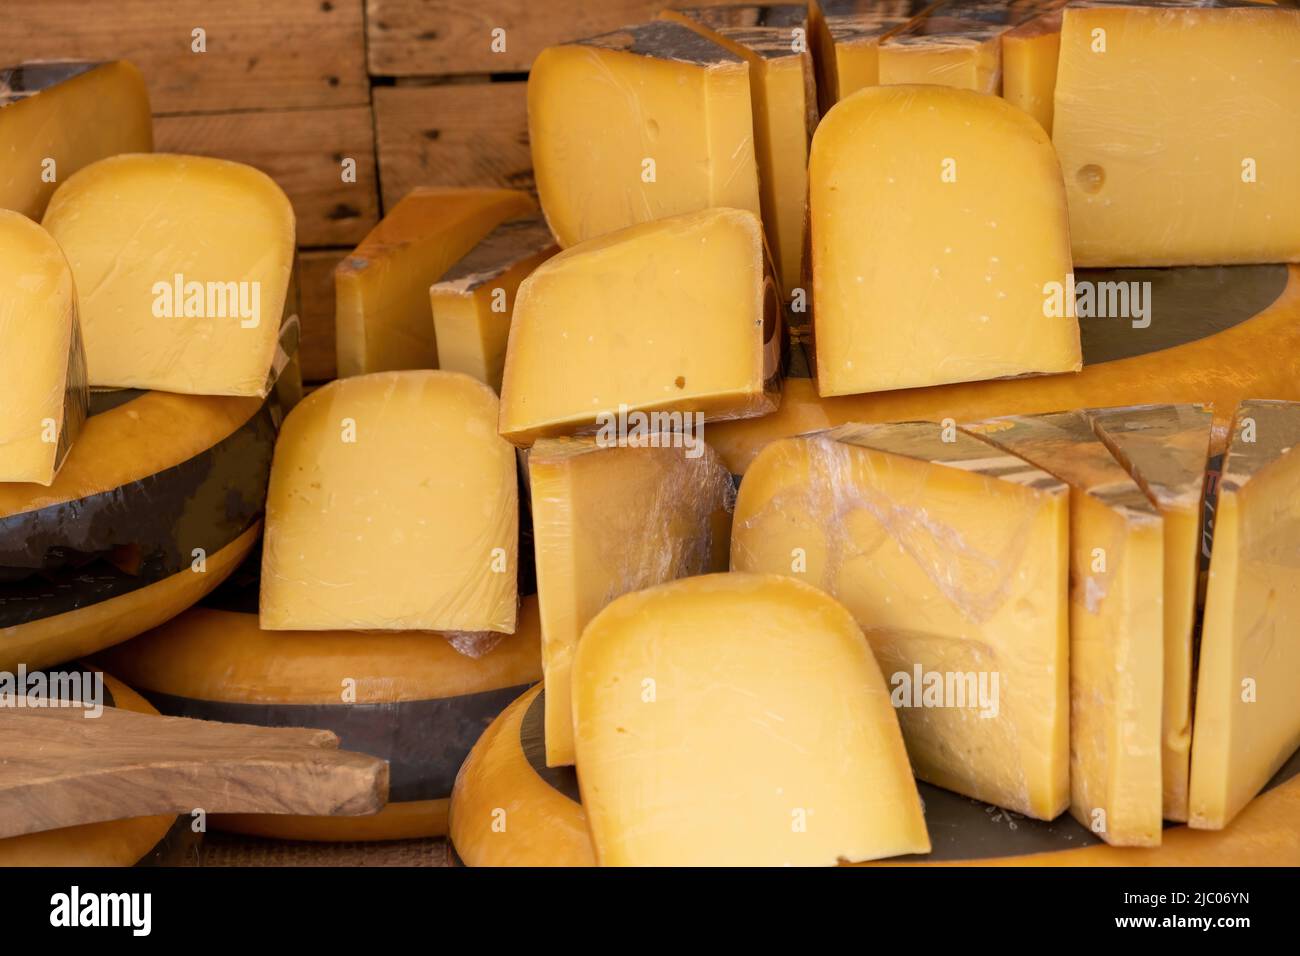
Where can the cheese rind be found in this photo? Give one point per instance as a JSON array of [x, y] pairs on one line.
[[953, 559], [1029, 55], [847, 35], [182, 265], [738, 719], [393, 505]]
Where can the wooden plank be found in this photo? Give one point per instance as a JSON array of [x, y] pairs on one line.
[[281, 55], [452, 135], [440, 37], [302, 150], [316, 291]]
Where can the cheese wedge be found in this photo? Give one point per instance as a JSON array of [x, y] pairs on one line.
[[1165, 448], [676, 316], [474, 300], [1247, 710], [738, 719], [1029, 54], [43, 394], [952, 557], [846, 42], [1177, 132], [182, 265], [938, 219], [393, 506], [611, 517], [651, 121], [381, 291], [1116, 625], [56, 117]]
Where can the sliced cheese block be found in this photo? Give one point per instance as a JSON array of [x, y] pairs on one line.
[[953, 558], [56, 117], [773, 39], [43, 394], [738, 719], [382, 319], [1166, 448], [474, 300], [182, 266], [612, 517], [938, 219], [1177, 132], [1029, 54], [393, 505], [675, 316], [846, 42], [1116, 625], [647, 122], [1247, 710]]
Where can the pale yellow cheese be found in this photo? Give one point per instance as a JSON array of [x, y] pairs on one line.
[[611, 517], [675, 316], [846, 41], [1178, 133], [383, 320], [43, 394], [1165, 448], [738, 719], [952, 556], [647, 122], [473, 302], [1029, 54], [393, 505], [1247, 706], [1116, 625], [182, 265], [938, 218]]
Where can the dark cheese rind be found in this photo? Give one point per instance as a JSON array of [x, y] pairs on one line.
[[665, 40]]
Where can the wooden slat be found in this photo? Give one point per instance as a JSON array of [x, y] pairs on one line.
[[452, 135], [316, 288], [260, 55], [302, 150]]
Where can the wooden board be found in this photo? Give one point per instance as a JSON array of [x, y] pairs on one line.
[[452, 135], [64, 769], [260, 55], [316, 284], [303, 151]]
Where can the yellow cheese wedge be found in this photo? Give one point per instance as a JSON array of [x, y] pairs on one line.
[[1177, 132], [1029, 54], [611, 517], [1165, 448], [773, 39], [393, 505], [674, 316], [738, 719], [1116, 625], [1247, 707], [182, 265], [43, 394], [938, 218], [382, 317], [651, 121], [474, 300], [846, 37], [56, 117], [952, 556]]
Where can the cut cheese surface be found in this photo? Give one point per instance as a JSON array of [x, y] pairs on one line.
[[847, 35], [56, 117], [383, 320], [737, 719], [952, 556], [1116, 625], [473, 301], [1166, 450], [1247, 719], [182, 265], [393, 505], [43, 394], [650, 121], [938, 219], [674, 316], [1029, 55], [612, 518], [1177, 131]]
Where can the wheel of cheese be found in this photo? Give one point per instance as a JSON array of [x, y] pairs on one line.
[[159, 500], [413, 699], [510, 809], [112, 843]]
